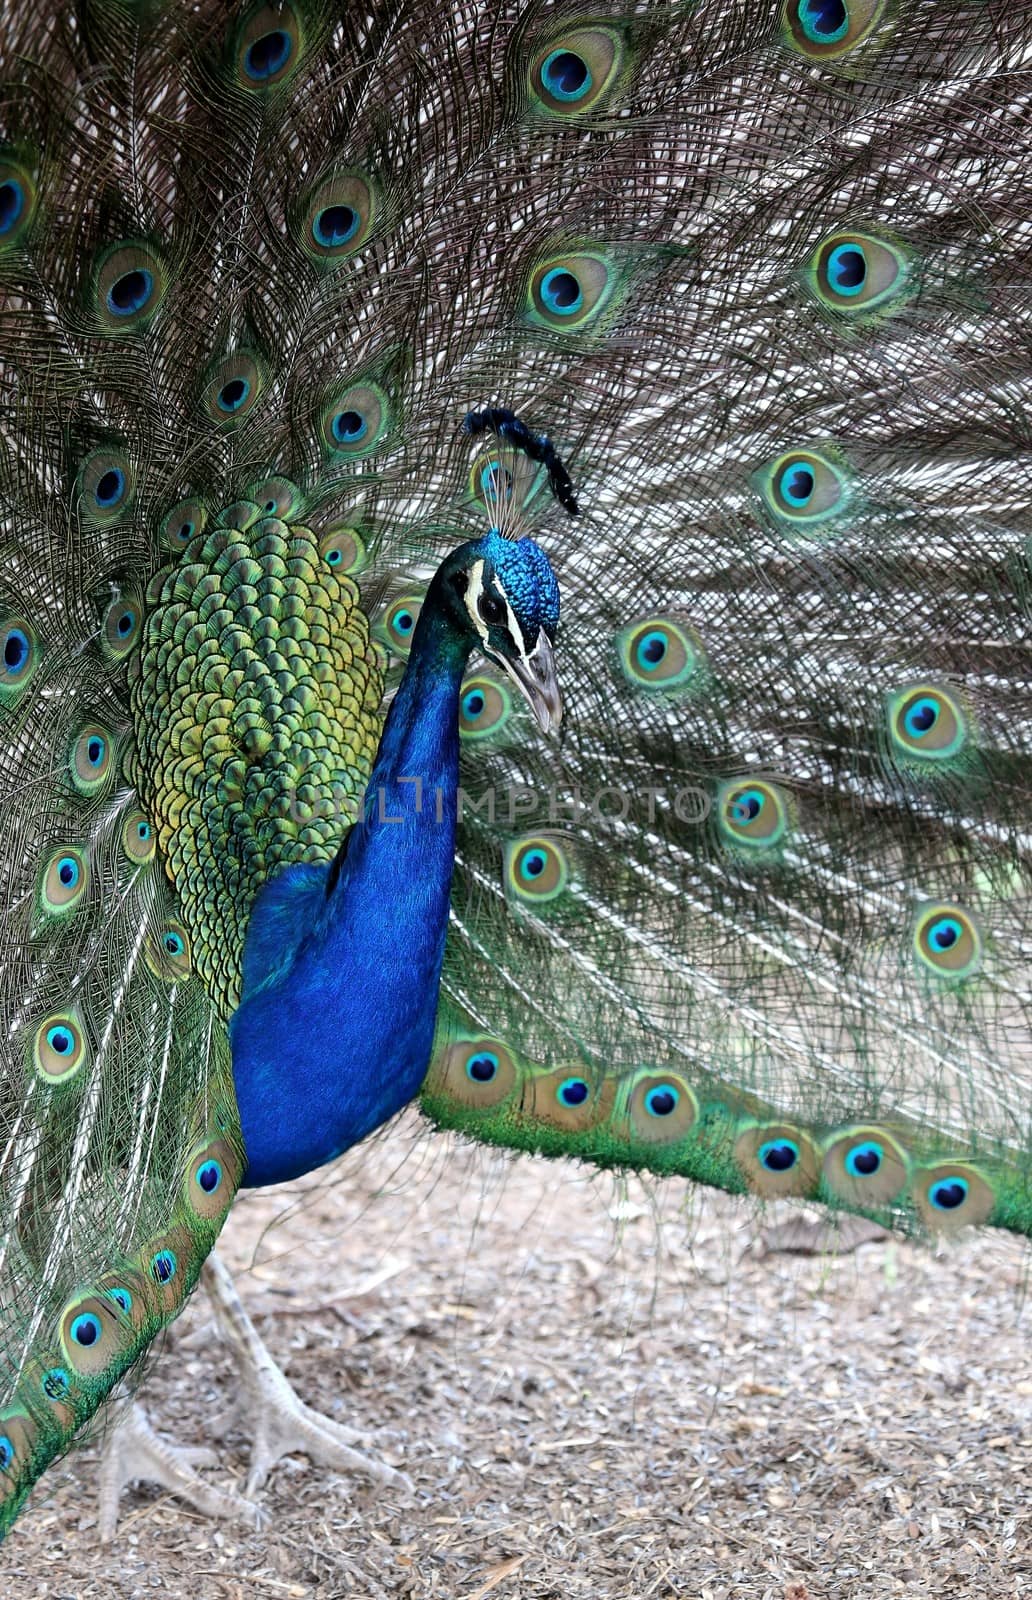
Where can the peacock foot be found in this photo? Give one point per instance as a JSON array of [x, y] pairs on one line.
[[133, 1451], [280, 1423]]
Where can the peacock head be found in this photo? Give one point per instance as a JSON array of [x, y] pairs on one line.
[[503, 594]]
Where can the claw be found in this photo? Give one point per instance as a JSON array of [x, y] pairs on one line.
[[278, 1421], [133, 1450]]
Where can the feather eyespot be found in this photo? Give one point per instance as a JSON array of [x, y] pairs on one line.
[[123, 621], [658, 653], [92, 759], [573, 1102], [571, 291], [777, 1161], [947, 1194], [485, 707], [482, 1067], [276, 496], [927, 722], [953, 1194], [865, 1167], [184, 522], [64, 881], [85, 1330], [16, 651], [208, 1176], [354, 422], [824, 30], [335, 225], [661, 1108], [18, 1435], [138, 838], [106, 484], [338, 217], [753, 815], [822, 21], [948, 941], [55, 1384], [267, 57], [19, 657], [59, 1049], [96, 1340], [343, 550], [232, 388], [233, 394], [491, 483], [477, 1073], [560, 292], [167, 953], [59, 1392], [123, 1295], [17, 202], [214, 1170], [166, 1266], [398, 625], [268, 47], [778, 1155], [865, 1160], [129, 284], [349, 427], [804, 489], [130, 292], [163, 1266], [857, 274], [537, 869], [577, 71], [565, 77], [845, 270]]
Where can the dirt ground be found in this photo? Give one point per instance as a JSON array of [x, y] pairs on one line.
[[600, 1392]]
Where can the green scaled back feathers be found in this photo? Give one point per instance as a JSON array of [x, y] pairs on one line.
[[763, 918]]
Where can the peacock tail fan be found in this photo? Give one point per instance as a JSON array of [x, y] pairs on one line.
[[765, 919], [763, 916]]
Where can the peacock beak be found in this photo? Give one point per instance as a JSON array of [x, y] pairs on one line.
[[534, 676]]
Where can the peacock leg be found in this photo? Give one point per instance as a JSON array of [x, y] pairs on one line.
[[280, 1423], [134, 1451]]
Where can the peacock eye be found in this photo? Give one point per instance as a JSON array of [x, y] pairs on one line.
[[86, 1330], [779, 1155], [164, 1266], [490, 608]]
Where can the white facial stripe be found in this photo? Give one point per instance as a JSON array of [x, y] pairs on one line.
[[514, 627], [474, 590]]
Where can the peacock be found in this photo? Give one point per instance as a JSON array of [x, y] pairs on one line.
[[337, 343]]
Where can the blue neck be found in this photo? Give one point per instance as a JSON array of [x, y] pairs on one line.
[[342, 964]]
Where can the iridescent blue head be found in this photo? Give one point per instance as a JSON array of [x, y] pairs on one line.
[[505, 591]]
